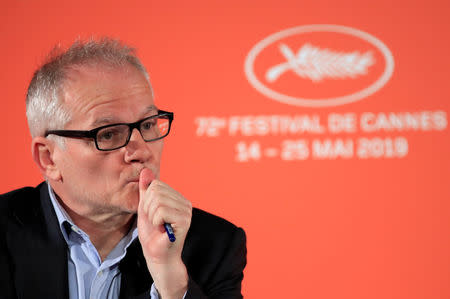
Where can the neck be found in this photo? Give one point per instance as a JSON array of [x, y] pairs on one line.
[[105, 230]]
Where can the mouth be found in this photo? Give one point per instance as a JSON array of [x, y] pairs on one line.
[[133, 181], [134, 176]]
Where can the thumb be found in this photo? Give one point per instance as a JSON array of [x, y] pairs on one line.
[[145, 178]]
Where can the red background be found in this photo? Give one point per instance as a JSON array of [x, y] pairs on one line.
[[374, 228]]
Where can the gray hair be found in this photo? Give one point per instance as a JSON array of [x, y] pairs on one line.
[[44, 103]]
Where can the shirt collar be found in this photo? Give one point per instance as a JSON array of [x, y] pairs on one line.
[[67, 227], [64, 220]]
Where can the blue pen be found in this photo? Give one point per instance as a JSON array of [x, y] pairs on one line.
[[169, 231]]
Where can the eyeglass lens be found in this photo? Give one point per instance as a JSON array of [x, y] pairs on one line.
[[116, 136]]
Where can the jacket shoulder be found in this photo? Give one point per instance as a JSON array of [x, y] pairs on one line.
[[22, 192], [211, 232], [201, 215], [205, 222], [14, 201]]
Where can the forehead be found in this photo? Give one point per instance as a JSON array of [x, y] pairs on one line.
[[92, 93]]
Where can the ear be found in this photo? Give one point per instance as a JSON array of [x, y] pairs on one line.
[[43, 151]]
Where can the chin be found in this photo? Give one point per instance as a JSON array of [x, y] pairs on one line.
[[129, 201]]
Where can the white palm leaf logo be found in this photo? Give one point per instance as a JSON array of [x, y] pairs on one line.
[[317, 64]]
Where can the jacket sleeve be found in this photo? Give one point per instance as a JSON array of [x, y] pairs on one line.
[[225, 281]]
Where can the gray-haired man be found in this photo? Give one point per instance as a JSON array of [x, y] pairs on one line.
[[96, 227]]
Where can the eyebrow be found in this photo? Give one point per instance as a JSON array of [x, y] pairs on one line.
[[112, 119]]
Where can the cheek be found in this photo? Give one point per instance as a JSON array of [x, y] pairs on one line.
[[105, 170], [156, 150], [92, 168]]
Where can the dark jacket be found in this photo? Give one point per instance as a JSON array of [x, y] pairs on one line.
[[33, 253]]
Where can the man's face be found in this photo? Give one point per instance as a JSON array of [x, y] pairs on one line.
[[93, 181]]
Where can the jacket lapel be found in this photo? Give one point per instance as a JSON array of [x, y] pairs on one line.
[[40, 252], [136, 280]]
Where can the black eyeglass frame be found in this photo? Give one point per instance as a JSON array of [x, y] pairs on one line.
[[93, 133]]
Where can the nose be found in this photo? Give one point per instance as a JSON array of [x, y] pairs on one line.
[[137, 150]]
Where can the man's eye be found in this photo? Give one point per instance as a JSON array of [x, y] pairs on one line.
[[147, 125], [107, 135]]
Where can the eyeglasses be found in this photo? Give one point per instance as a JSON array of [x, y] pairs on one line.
[[114, 136]]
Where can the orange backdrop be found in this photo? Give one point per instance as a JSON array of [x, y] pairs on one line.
[[347, 200]]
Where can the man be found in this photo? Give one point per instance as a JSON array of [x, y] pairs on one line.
[[98, 227]]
